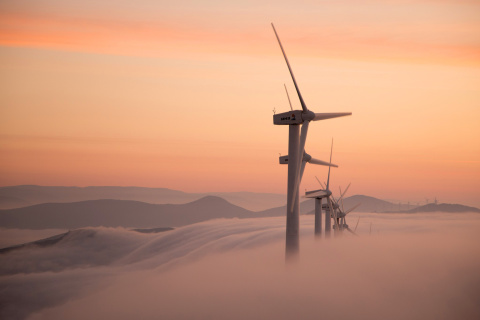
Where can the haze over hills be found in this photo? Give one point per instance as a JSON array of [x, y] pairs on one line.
[[119, 213], [27, 195], [137, 214], [442, 207], [367, 204], [371, 204], [130, 214]]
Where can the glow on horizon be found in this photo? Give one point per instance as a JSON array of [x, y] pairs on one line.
[[177, 96]]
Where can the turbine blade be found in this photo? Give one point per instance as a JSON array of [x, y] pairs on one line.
[[346, 189], [303, 137], [302, 169], [333, 201], [341, 198], [328, 180], [321, 184], [357, 224], [322, 163], [333, 212], [288, 96], [351, 209], [304, 107], [352, 231], [324, 116]]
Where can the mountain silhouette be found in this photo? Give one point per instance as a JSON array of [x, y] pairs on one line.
[[443, 207], [27, 195], [120, 213]]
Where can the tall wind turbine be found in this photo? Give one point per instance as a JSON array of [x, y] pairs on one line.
[[296, 149]]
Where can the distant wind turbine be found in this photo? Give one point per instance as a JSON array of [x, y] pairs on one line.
[[342, 214], [330, 208], [333, 210]]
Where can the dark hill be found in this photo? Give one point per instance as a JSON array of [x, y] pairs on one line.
[[305, 207], [368, 204], [119, 213], [371, 204], [27, 195], [443, 207], [17, 196]]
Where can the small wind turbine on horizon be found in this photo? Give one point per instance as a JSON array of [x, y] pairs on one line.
[[342, 214], [318, 195], [334, 208], [296, 151]]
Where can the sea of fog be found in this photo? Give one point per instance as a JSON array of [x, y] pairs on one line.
[[401, 266]]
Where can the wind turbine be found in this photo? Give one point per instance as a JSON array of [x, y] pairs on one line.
[[330, 208], [307, 158], [342, 214], [296, 149], [334, 208]]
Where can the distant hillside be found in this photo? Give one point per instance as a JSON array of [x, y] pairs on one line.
[[443, 207], [27, 195], [305, 207], [367, 204], [7, 202], [371, 204], [119, 213]]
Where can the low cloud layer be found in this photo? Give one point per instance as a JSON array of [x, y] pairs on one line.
[[402, 267], [11, 237]]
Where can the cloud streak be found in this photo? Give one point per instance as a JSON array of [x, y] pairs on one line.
[[436, 33]]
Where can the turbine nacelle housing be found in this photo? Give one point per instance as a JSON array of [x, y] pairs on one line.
[[290, 117], [326, 207], [318, 193], [299, 117], [283, 159]]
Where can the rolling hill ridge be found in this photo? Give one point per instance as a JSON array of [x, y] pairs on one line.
[[120, 213]]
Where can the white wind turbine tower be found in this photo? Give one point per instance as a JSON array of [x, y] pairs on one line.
[[296, 149]]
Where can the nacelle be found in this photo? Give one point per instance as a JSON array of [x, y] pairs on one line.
[[307, 193], [283, 159], [286, 118], [326, 207], [318, 194]]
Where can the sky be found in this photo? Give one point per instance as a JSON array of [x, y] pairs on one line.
[[181, 94]]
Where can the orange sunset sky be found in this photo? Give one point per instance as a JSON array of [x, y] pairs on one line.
[[180, 94]]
